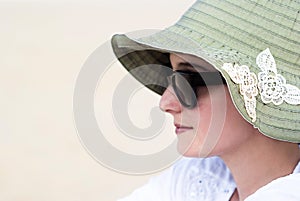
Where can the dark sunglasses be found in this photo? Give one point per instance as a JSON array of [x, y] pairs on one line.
[[185, 84]]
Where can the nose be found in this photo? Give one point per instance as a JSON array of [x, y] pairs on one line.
[[169, 102]]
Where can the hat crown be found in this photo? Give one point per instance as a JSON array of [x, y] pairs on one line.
[[246, 26]]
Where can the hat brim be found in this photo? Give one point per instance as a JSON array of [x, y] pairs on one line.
[[154, 50]]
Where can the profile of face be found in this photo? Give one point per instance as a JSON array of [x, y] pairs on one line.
[[213, 126]]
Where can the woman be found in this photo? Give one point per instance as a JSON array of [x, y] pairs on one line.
[[229, 74]]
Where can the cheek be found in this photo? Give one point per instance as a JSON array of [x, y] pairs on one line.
[[200, 116], [235, 121], [215, 115], [212, 107], [206, 123], [219, 127], [235, 131]]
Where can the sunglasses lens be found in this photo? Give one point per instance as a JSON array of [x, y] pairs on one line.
[[186, 83], [184, 91]]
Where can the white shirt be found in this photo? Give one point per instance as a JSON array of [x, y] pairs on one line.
[[284, 188], [208, 179]]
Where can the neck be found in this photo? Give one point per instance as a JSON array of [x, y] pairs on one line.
[[268, 159]]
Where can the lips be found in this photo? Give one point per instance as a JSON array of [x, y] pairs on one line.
[[179, 129]]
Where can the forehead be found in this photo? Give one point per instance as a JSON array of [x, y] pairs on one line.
[[181, 61]]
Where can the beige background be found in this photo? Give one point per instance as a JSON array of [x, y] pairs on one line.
[[43, 45]]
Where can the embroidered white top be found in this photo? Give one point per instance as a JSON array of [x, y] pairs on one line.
[[209, 179]]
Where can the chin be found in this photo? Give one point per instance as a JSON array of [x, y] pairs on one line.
[[189, 146], [193, 151]]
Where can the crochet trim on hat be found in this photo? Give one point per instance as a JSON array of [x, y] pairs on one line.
[[271, 86], [248, 85]]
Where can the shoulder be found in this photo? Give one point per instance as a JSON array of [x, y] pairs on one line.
[[284, 188]]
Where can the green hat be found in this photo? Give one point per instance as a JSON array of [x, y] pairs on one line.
[[254, 44]]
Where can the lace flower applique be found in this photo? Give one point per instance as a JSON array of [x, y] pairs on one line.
[[248, 85], [271, 86]]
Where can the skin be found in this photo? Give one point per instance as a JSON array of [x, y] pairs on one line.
[[215, 128]]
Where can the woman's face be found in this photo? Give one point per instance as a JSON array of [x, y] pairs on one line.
[[214, 126]]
